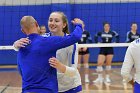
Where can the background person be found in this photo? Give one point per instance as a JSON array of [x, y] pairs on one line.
[[133, 34], [43, 30], [84, 52], [106, 53]]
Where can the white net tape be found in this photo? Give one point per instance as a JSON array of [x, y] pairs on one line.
[[82, 45], [104, 45], [6, 47]]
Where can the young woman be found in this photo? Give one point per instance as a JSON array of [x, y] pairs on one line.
[[69, 80], [106, 53], [133, 34]]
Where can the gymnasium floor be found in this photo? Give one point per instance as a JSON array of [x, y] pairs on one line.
[[10, 81]]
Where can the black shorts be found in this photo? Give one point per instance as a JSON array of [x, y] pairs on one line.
[[84, 52], [106, 50]]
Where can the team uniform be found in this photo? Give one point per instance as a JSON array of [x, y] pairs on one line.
[[106, 38], [85, 39], [131, 37], [132, 58], [70, 81], [37, 74]]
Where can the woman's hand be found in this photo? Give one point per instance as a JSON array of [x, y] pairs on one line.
[[55, 63]]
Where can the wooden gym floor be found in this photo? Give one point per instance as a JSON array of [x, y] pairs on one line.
[[10, 81]]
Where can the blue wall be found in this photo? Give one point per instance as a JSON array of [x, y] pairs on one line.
[[120, 15]]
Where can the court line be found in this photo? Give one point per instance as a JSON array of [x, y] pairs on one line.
[[5, 88]]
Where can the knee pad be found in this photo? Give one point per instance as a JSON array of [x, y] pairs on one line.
[[86, 65], [99, 69], [108, 68]]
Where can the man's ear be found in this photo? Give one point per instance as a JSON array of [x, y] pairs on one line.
[[23, 31], [38, 28]]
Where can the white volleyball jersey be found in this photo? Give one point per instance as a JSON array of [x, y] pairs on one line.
[[132, 57], [71, 78]]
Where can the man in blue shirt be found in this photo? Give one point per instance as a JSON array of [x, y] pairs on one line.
[[37, 74]]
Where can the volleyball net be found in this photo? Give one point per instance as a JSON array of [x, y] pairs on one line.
[[8, 55]]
